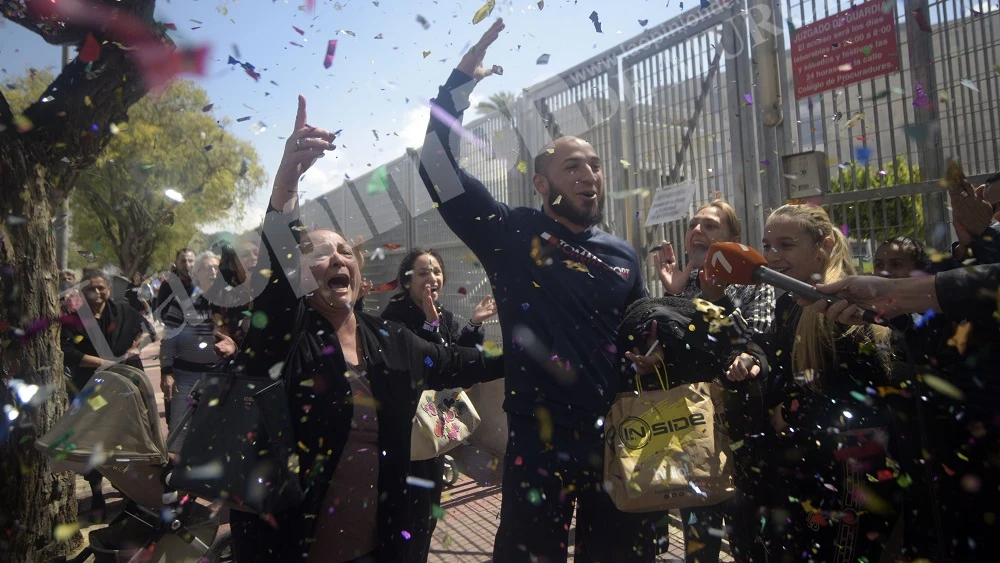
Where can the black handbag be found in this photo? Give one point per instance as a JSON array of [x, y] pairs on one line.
[[240, 443]]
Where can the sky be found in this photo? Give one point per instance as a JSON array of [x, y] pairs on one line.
[[374, 84], [381, 84]]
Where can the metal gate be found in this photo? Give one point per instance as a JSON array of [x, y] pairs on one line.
[[708, 97]]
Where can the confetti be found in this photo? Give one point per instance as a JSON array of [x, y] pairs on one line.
[[748, 98], [97, 402], [15, 220], [484, 12], [207, 108], [242, 119], [258, 319], [791, 28], [643, 22], [423, 21], [64, 532], [387, 286], [174, 195], [331, 48], [541, 4], [522, 167], [970, 85], [625, 163], [943, 386], [462, 291], [534, 497], [299, 31], [379, 36], [923, 319], [275, 371], [543, 60], [704, 4], [920, 98], [428, 362], [91, 49], [392, 245], [419, 482], [596, 19], [426, 54], [862, 154]]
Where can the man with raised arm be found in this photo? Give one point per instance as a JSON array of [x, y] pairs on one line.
[[562, 286]]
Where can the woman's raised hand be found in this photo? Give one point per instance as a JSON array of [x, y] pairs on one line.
[[428, 306], [486, 309], [303, 147]]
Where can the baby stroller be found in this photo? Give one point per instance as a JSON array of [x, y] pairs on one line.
[[113, 426]]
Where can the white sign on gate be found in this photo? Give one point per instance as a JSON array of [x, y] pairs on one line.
[[670, 203]]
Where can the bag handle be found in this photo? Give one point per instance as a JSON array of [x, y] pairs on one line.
[[297, 329], [662, 377]]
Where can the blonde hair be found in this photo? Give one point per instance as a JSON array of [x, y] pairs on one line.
[[729, 217], [814, 348]]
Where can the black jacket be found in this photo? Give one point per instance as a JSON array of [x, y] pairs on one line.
[[400, 366], [404, 311], [120, 326]]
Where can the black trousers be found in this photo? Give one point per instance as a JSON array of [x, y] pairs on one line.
[[541, 484], [422, 521]]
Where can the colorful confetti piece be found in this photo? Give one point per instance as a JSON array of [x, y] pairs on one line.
[[484, 12], [543, 60], [331, 48]]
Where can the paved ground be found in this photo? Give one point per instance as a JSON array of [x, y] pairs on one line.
[[472, 505]]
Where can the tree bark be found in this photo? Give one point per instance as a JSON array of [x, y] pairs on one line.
[[65, 136]]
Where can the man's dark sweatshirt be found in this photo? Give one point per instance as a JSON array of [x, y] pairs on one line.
[[560, 296]]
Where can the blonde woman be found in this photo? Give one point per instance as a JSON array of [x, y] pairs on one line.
[[815, 457]]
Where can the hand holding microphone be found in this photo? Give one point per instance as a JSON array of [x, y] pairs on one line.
[[736, 263]]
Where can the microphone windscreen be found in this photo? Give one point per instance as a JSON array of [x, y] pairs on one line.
[[733, 262]]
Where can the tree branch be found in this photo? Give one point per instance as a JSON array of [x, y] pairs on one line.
[[64, 127]]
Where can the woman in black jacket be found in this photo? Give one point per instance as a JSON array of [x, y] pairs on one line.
[[821, 469], [421, 277], [355, 382]]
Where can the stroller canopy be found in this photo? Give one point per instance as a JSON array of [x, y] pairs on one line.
[[114, 414]]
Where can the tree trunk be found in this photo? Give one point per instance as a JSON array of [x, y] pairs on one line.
[[67, 134], [35, 500]]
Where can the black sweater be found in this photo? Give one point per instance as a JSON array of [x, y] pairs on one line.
[[560, 295], [119, 327], [404, 311], [400, 366]]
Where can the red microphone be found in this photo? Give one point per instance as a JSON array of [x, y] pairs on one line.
[[737, 263]]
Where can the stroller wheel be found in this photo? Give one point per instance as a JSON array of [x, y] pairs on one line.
[[450, 470], [221, 550]]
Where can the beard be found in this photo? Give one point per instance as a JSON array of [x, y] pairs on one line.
[[568, 210]]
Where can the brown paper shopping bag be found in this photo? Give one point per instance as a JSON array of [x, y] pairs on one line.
[[668, 449]]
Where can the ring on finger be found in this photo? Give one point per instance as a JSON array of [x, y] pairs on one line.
[[298, 144]]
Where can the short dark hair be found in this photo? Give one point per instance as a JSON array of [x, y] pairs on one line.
[[542, 160], [182, 251], [406, 267], [90, 273]]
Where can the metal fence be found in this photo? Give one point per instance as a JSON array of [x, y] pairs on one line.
[[680, 103]]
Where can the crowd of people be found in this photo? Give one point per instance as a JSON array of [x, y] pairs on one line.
[[851, 441]]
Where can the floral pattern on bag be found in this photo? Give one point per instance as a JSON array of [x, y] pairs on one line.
[[447, 413]]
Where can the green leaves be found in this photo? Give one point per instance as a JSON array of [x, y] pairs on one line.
[[121, 201]]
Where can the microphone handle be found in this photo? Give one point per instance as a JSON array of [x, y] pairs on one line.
[[763, 274]]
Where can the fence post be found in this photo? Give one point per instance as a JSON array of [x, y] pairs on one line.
[[743, 138], [920, 48]]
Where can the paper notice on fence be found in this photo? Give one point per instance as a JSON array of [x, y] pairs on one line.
[[670, 203]]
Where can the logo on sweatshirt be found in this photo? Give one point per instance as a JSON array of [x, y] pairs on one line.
[[583, 256]]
